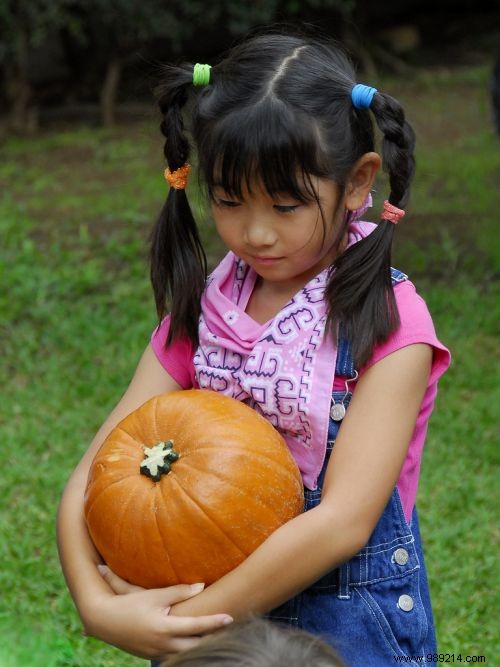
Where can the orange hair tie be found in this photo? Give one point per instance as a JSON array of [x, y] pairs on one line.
[[178, 179], [391, 213]]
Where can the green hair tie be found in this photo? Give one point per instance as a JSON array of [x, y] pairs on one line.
[[201, 74]]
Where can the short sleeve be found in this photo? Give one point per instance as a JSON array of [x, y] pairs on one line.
[[177, 359], [416, 327]]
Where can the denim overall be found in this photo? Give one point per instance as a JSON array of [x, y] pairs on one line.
[[376, 605]]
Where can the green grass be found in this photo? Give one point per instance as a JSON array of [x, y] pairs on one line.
[[76, 311]]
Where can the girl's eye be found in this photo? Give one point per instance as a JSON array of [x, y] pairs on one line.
[[227, 203], [285, 209]]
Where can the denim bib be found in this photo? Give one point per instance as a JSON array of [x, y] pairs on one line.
[[376, 605]]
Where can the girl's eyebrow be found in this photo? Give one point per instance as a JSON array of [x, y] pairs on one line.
[[223, 189], [219, 186]]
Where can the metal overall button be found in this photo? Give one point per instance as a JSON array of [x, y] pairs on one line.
[[401, 556], [337, 410], [405, 602]]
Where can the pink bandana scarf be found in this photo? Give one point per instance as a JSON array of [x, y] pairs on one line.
[[284, 368]]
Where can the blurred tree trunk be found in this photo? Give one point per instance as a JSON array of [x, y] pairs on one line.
[[22, 114], [109, 91]]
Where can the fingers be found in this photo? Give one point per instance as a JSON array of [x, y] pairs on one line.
[[174, 594], [117, 584], [190, 626], [181, 632], [170, 595]]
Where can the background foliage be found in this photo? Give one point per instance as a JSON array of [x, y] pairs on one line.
[[69, 57]]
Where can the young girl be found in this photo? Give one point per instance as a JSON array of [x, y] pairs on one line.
[[305, 321]]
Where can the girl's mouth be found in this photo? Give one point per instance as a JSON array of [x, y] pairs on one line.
[[266, 261]]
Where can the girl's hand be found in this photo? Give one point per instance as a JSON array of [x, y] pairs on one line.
[[137, 620]]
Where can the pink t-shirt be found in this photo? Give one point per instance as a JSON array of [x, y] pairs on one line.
[[416, 327]]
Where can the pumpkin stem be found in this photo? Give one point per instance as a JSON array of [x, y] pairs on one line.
[[158, 460]]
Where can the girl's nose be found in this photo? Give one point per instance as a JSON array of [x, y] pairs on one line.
[[259, 233]]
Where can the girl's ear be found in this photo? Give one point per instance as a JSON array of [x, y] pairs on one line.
[[361, 180]]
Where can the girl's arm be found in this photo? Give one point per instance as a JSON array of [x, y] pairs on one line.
[[137, 623], [364, 467]]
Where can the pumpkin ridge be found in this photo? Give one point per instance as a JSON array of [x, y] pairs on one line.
[[202, 509], [122, 524], [123, 507], [125, 477], [179, 579], [156, 416], [159, 413], [235, 486], [133, 438], [237, 449], [146, 507]]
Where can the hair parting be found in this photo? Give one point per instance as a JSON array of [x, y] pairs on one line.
[[278, 110]]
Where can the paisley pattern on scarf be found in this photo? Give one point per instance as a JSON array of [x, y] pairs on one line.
[[284, 368], [281, 368]]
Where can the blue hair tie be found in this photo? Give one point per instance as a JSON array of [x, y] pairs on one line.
[[362, 96]]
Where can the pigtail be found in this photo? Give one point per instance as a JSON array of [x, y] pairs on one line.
[[398, 145], [360, 293], [178, 262]]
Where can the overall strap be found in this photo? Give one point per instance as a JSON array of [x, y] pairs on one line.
[[345, 368], [345, 363]]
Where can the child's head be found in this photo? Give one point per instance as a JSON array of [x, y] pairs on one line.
[[278, 113], [258, 643]]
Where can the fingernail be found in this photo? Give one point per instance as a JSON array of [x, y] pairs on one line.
[[103, 569], [197, 588], [227, 620]]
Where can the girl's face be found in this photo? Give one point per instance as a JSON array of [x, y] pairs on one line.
[[284, 240]]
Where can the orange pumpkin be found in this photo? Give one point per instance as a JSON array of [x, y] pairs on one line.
[[186, 487]]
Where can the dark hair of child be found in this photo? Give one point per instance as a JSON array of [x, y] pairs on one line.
[[278, 109], [258, 643]]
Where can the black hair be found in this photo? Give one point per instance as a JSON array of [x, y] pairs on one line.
[[279, 107]]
